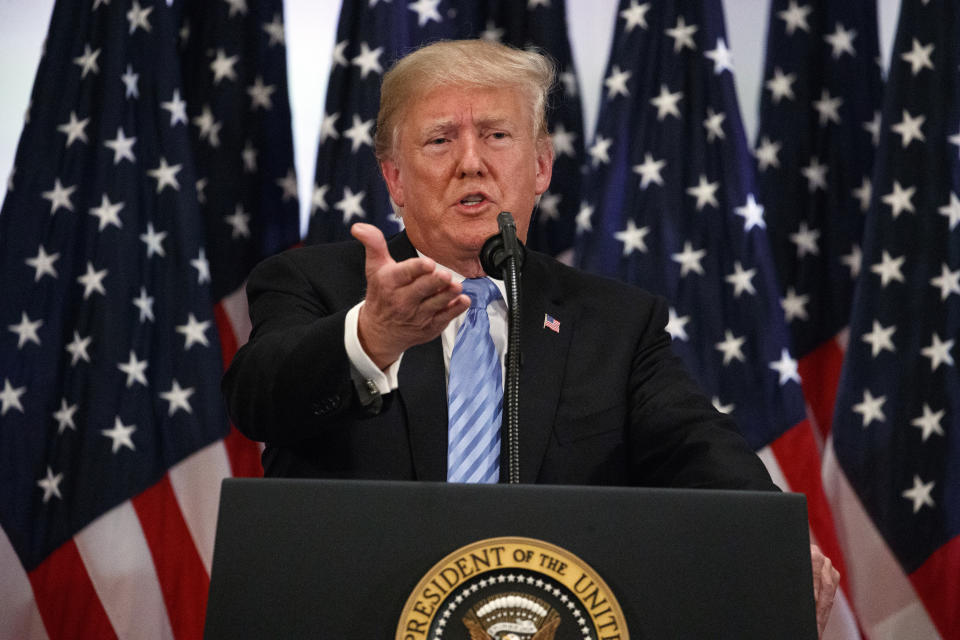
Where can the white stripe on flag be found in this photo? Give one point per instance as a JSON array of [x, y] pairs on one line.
[[19, 616], [196, 484], [842, 625], [118, 561], [773, 468], [884, 598], [235, 306]]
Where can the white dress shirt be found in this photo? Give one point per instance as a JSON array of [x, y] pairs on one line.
[[366, 375]]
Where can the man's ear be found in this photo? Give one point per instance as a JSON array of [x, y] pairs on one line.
[[544, 164], [391, 175]]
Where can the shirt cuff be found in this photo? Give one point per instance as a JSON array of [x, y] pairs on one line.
[[369, 380]]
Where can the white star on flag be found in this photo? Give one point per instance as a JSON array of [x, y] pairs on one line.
[[616, 82], [632, 238], [194, 332], [741, 279], [880, 338], [649, 170], [889, 269], [939, 352], [43, 263], [781, 85], [794, 306], [144, 303], [676, 325], [10, 397], [74, 129], [222, 67], [77, 349], [929, 422], [166, 175], [841, 41], [154, 241], [202, 265], [107, 213], [870, 408], [64, 416], [122, 147], [368, 60], [682, 35], [919, 493], [795, 17], [135, 370], [178, 398], [92, 281], [635, 15], [900, 199], [350, 205], [59, 196], [26, 330], [689, 260], [666, 103], [786, 367], [752, 214], [721, 56], [731, 347], [50, 485], [177, 108], [120, 435], [919, 57]]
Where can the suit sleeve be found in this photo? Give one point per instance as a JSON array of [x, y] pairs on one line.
[[676, 437], [292, 378]]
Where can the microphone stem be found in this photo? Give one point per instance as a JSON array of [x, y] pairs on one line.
[[511, 396]]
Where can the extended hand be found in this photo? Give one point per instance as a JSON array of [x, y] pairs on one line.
[[408, 303], [825, 581]]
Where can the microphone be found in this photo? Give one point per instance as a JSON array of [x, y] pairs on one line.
[[502, 246], [502, 257]]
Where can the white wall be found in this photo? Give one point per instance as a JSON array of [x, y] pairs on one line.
[[311, 27]]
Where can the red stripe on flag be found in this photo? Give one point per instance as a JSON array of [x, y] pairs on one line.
[[820, 372], [799, 459], [937, 582], [66, 598], [244, 455], [228, 339], [183, 579]]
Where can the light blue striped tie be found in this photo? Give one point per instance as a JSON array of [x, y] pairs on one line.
[[475, 393]]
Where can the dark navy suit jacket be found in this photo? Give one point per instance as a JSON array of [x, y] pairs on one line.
[[603, 400]]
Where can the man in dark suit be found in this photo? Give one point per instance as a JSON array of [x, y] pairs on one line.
[[353, 345]]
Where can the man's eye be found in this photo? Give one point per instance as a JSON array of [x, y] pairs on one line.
[[500, 135], [438, 141]]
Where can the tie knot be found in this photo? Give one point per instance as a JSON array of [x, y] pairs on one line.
[[481, 291]]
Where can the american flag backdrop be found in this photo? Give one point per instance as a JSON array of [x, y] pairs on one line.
[[894, 464], [370, 37], [819, 126], [233, 61], [670, 204], [113, 440]]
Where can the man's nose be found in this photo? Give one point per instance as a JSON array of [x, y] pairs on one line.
[[471, 158]]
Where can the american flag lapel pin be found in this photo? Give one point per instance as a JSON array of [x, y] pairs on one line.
[[549, 322]]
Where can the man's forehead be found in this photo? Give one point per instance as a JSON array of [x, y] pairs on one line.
[[452, 106]]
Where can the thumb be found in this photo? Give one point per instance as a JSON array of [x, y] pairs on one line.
[[376, 245]]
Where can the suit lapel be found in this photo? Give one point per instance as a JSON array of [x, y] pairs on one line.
[[543, 360], [422, 379], [422, 387]]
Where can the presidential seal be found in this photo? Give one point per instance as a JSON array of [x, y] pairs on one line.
[[512, 588]]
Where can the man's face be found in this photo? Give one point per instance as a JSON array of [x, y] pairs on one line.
[[462, 156]]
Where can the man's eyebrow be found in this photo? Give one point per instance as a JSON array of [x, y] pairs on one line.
[[438, 127]]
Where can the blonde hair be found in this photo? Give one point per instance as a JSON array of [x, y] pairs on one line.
[[467, 63]]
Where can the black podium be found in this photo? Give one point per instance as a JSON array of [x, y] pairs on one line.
[[361, 559]]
